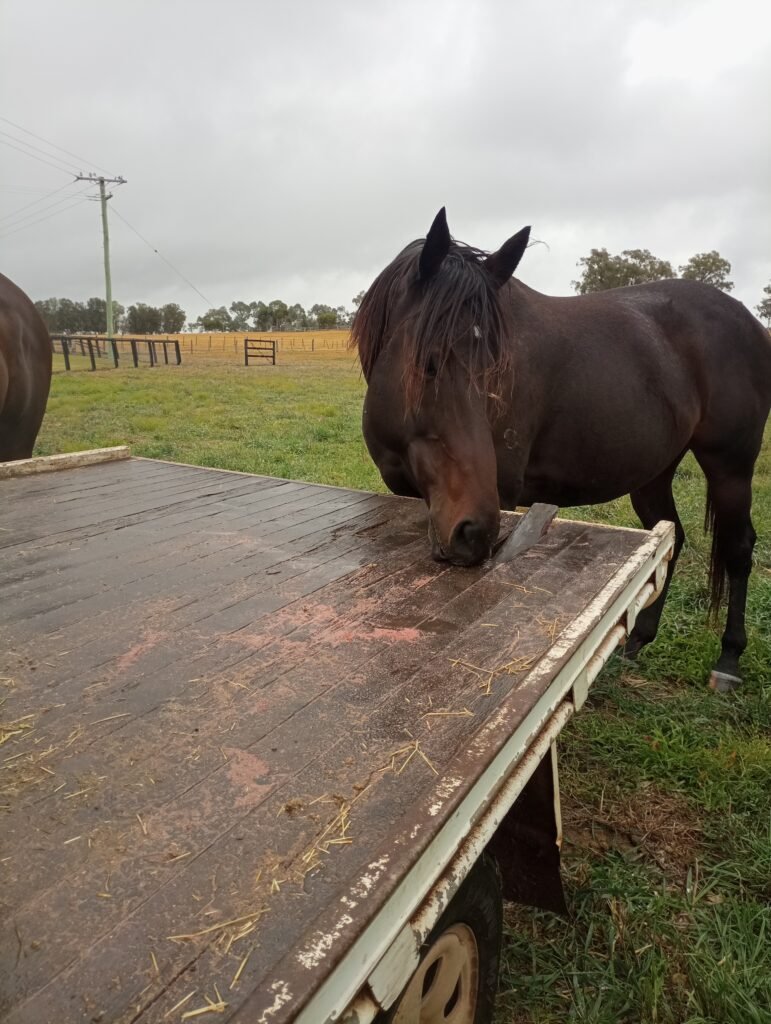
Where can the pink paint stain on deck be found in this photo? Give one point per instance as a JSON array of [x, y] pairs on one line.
[[406, 635], [422, 581], [361, 633], [246, 773], [150, 640]]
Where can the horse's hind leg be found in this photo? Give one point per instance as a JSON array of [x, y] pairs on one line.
[[729, 485], [653, 503]]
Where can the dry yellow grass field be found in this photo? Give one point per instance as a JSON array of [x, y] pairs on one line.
[[231, 345]]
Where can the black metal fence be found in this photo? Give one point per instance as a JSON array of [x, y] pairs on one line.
[[115, 352]]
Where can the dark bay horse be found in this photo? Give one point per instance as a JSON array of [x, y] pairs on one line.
[[483, 394], [25, 372]]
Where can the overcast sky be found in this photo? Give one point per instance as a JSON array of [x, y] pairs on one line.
[[289, 149]]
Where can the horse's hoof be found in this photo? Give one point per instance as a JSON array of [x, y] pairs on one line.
[[722, 682], [631, 649]]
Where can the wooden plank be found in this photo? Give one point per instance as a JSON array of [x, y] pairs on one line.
[[107, 566], [72, 602], [373, 741], [68, 460], [74, 522]]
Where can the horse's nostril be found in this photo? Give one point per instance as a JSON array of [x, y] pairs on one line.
[[471, 540]]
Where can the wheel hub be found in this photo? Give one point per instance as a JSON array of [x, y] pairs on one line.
[[443, 990]]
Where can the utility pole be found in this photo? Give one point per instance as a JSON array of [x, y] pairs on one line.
[[103, 197]]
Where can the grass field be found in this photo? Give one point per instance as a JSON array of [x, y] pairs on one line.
[[666, 786]]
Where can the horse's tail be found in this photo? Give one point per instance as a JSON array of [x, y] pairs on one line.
[[717, 564]]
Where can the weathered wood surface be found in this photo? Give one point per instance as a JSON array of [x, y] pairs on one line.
[[226, 699], [68, 460]]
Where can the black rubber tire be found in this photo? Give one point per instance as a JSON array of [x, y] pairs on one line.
[[479, 905]]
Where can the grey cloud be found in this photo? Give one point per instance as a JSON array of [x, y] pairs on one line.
[[291, 149]]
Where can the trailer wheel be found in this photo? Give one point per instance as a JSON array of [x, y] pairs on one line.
[[457, 977]]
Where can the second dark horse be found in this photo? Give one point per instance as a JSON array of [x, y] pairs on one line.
[[25, 372], [484, 394]]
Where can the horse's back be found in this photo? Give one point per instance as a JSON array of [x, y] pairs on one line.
[[703, 316], [727, 351], [626, 380], [25, 371], [721, 347]]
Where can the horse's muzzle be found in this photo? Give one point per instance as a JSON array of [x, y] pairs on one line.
[[470, 544]]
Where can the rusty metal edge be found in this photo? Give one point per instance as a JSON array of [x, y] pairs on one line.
[[601, 618]]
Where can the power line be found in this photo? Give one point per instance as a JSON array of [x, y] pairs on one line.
[[41, 199], [37, 149], [56, 167], [40, 221], [160, 256], [27, 191], [49, 143], [51, 206]]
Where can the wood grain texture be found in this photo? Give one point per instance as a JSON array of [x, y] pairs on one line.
[[224, 696]]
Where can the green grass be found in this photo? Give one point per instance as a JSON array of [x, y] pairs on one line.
[[666, 786], [299, 420]]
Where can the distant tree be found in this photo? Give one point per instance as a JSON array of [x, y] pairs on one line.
[[65, 316], [215, 320], [327, 319], [94, 318], [260, 316], [49, 310], [240, 316], [356, 300], [344, 317], [633, 266], [62, 316], [709, 267], [143, 319], [764, 306], [322, 316], [297, 318], [172, 318], [72, 316], [278, 315]]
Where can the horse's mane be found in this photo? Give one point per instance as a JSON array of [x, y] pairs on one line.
[[459, 312]]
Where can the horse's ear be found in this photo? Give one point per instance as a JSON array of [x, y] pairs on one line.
[[435, 247], [501, 265]]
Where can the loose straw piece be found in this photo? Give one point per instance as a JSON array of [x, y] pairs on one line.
[[180, 1004], [219, 927], [241, 966]]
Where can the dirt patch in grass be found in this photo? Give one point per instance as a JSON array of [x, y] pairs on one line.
[[649, 823]]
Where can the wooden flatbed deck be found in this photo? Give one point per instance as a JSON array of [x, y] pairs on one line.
[[237, 713]]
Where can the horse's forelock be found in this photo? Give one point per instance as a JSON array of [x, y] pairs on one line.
[[460, 312]]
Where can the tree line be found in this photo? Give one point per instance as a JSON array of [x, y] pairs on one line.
[[64, 316], [600, 270]]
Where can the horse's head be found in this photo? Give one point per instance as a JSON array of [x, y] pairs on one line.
[[433, 335]]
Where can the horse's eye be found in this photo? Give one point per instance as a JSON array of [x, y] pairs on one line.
[[430, 369]]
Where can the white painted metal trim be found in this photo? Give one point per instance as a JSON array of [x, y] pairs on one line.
[[67, 460], [393, 972], [346, 981]]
